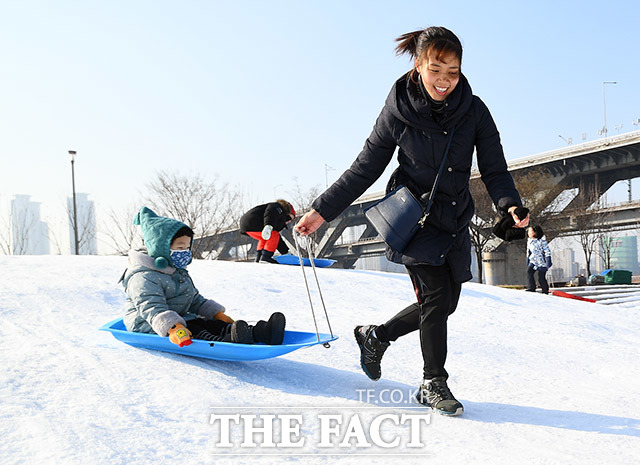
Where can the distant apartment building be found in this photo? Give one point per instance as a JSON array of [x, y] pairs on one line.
[[564, 265], [29, 234], [624, 253], [87, 231]]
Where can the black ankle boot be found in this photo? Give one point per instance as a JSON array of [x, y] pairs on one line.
[[267, 257], [275, 328], [238, 332], [241, 333], [270, 332], [260, 333], [258, 255]]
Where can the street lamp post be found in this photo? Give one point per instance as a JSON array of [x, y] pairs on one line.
[[72, 155], [327, 168], [604, 106], [568, 141]]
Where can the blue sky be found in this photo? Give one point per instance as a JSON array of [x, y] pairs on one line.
[[265, 94]]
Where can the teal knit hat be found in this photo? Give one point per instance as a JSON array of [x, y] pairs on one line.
[[157, 232]]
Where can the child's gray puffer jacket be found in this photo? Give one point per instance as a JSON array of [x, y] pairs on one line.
[[157, 299]]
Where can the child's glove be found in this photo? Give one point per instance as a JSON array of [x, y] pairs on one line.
[[223, 317], [266, 232], [180, 335], [548, 259]]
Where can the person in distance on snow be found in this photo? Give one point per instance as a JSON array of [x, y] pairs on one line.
[[538, 259], [162, 299], [264, 223], [419, 115]]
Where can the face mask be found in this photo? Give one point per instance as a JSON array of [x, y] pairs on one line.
[[180, 258]]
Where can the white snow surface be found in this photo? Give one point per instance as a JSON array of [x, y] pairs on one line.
[[544, 380]]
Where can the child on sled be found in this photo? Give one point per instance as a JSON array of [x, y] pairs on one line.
[[162, 299]]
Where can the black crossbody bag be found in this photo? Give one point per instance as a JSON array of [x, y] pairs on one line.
[[399, 215]]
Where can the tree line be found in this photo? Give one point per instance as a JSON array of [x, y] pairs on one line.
[[210, 207]]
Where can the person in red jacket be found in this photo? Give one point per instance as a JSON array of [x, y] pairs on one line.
[[264, 223]]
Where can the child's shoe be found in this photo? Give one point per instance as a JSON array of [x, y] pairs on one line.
[[275, 328], [270, 332], [241, 332]]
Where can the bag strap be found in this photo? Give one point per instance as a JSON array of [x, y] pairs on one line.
[[427, 210]]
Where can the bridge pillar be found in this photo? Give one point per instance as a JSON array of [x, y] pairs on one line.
[[506, 265], [495, 269]]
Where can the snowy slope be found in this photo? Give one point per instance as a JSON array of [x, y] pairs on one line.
[[543, 379]]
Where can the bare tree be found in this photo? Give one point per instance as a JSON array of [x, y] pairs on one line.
[[87, 230], [120, 230], [587, 219], [587, 238], [302, 199], [54, 236], [22, 224], [482, 222], [244, 242], [86, 217], [5, 231], [206, 207], [607, 245]]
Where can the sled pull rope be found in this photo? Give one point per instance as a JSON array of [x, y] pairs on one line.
[[306, 283], [315, 274], [304, 275]]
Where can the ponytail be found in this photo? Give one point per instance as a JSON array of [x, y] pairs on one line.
[[437, 38], [408, 43]]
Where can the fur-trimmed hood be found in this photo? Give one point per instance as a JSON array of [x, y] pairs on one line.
[[140, 258]]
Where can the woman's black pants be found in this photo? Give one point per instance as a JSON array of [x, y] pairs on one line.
[[438, 296]]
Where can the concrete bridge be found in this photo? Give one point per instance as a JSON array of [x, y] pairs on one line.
[[594, 165]]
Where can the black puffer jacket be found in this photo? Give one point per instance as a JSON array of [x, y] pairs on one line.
[[406, 122], [260, 216]]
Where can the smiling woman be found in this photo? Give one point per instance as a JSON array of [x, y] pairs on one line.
[[419, 117], [439, 77], [437, 56]]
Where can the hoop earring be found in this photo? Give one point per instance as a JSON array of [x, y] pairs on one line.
[[412, 76]]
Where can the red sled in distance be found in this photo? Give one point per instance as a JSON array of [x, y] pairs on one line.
[[571, 296]]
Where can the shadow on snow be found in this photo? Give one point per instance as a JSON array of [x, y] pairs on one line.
[[308, 379]]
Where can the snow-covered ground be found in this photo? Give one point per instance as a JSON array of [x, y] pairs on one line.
[[543, 379]]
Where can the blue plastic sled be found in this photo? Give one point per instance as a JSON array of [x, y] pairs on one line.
[[217, 350], [289, 259]]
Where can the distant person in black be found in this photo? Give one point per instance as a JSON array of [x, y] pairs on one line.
[[264, 223]]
